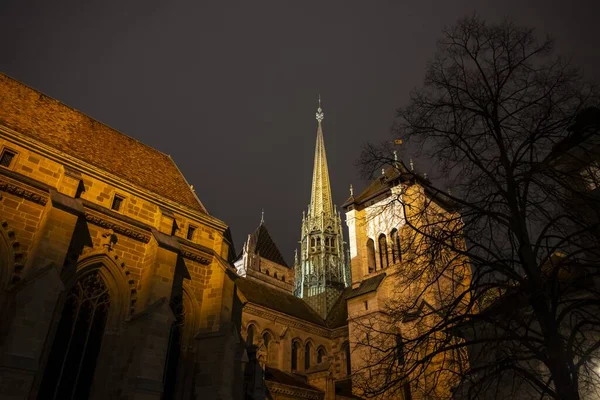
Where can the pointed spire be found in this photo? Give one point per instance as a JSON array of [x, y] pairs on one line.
[[320, 200], [351, 190], [412, 165], [262, 216]]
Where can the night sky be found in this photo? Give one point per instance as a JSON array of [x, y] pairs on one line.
[[229, 88]]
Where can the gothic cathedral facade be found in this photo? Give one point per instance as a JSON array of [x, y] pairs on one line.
[[117, 283]]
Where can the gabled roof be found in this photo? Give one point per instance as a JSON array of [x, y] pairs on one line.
[[288, 379], [71, 132], [277, 300], [367, 286], [261, 243], [338, 315]]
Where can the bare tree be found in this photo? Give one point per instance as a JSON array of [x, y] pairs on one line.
[[497, 116]]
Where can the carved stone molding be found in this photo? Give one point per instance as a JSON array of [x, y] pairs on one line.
[[24, 193], [293, 391], [288, 321], [105, 223], [195, 257], [18, 259]]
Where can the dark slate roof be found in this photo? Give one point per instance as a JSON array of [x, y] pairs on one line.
[[367, 286], [286, 378], [69, 131], [277, 300], [265, 246], [338, 315], [391, 176]]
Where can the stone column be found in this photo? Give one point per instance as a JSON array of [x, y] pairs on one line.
[[147, 333]]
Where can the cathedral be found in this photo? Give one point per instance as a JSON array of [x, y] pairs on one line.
[[117, 283]]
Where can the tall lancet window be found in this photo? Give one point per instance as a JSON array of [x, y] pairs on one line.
[[371, 255], [395, 238], [295, 354], [174, 349], [383, 252], [307, 351], [72, 360]]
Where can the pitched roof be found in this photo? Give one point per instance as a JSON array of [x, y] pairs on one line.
[[277, 300], [50, 122], [390, 177], [366, 286], [289, 379], [338, 315], [263, 244]]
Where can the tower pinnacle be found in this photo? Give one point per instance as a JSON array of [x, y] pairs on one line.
[[321, 271], [320, 114]]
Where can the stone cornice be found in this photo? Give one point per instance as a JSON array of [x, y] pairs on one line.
[[120, 227], [97, 173], [24, 193], [12, 183], [303, 393], [194, 257], [284, 319]]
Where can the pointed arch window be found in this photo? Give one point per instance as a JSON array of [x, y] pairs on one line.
[[396, 254], [72, 360], [250, 336], [347, 357], [295, 354], [266, 340], [371, 255], [321, 354], [383, 253], [307, 351]]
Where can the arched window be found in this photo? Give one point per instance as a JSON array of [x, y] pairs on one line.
[[321, 354], [395, 246], [266, 340], [307, 351], [312, 242], [347, 357], [283, 278], [383, 253], [295, 354], [332, 242], [318, 242], [174, 349], [267, 272], [72, 359], [250, 337], [275, 275], [371, 255], [327, 241]]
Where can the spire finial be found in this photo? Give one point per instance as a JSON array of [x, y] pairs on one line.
[[395, 155], [262, 216], [412, 165], [351, 190], [320, 114]]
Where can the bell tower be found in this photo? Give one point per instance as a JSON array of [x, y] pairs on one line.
[[321, 271]]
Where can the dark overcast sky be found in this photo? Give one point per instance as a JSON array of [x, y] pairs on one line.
[[228, 88]]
